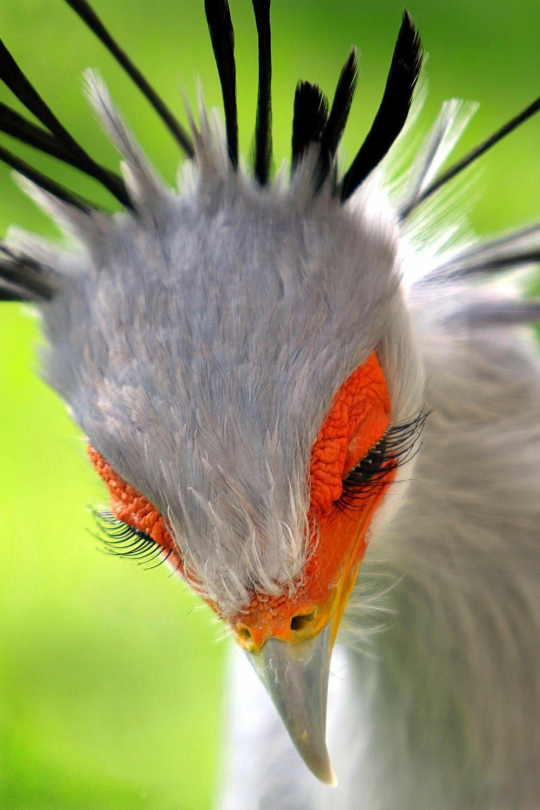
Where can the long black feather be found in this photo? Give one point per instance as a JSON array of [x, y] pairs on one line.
[[310, 117], [16, 126], [394, 108], [63, 145], [25, 274], [339, 113], [263, 129], [90, 18], [7, 295], [12, 292], [503, 263], [500, 313], [20, 86], [514, 249], [473, 155], [218, 16], [46, 183], [15, 285]]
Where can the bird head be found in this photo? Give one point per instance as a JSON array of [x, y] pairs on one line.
[[247, 408], [240, 358]]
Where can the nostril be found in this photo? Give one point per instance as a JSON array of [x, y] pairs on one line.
[[244, 634], [302, 621]]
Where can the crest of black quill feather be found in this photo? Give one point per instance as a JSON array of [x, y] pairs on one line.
[[263, 130], [14, 294], [90, 18], [57, 142], [218, 16], [16, 126], [394, 108], [22, 278], [472, 156], [339, 113], [310, 117], [46, 183], [20, 86]]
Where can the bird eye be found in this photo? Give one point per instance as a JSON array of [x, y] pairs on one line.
[[133, 528], [371, 464], [121, 540], [398, 445]]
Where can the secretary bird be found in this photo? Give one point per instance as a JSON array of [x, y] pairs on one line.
[[281, 376]]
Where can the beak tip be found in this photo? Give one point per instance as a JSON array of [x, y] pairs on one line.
[[332, 782], [318, 762], [329, 778]]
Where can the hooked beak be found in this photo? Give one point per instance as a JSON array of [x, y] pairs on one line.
[[296, 678], [289, 644]]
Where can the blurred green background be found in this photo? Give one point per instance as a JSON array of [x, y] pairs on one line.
[[111, 677]]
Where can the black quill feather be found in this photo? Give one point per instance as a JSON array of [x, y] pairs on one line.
[[310, 117], [20, 86], [220, 26], [45, 183], [263, 130], [16, 126], [394, 108], [22, 279], [339, 113], [14, 295], [472, 156], [59, 143], [19, 274], [90, 18]]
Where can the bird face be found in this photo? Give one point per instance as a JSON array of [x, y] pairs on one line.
[[238, 354], [349, 445], [241, 364], [250, 441], [289, 637], [350, 468]]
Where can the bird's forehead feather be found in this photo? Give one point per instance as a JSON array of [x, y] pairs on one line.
[[201, 353]]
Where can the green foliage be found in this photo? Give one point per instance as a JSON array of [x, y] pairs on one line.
[[110, 676]]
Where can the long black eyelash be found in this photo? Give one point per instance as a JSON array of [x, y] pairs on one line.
[[399, 445], [121, 540]]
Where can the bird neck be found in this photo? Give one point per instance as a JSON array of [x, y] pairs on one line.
[[452, 677]]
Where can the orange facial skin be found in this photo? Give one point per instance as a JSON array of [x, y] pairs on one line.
[[134, 509], [358, 419]]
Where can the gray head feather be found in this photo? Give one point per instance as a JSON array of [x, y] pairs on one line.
[[199, 343], [189, 341]]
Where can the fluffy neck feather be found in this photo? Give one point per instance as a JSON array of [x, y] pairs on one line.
[[448, 697]]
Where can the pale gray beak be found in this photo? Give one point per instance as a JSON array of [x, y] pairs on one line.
[[296, 678]]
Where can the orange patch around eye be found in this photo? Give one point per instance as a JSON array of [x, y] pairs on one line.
[[357, 420], [128, 505], [359, 417]]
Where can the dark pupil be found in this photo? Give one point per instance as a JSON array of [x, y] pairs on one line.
[[371, 463]]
